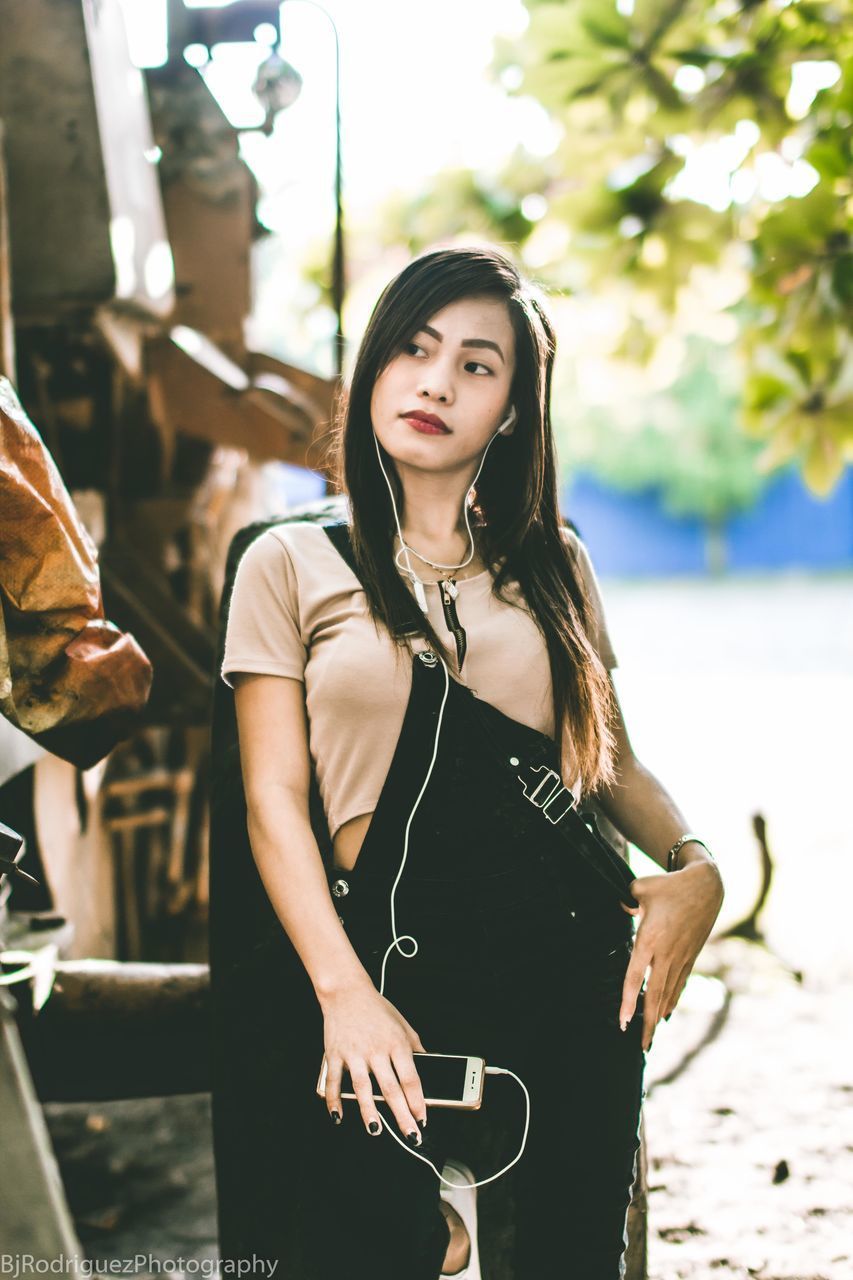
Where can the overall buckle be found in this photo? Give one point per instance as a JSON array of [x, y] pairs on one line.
[[557, 797]]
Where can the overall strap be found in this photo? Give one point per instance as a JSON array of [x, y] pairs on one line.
[[338, 533]]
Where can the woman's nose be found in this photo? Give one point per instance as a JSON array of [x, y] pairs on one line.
[[434, 389], [435, 384]]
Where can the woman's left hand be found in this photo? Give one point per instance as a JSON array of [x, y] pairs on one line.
[[677, 911]]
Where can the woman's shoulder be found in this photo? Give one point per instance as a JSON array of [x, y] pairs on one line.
[[299, 537], [580, 556], [298, 541], [573, 540], [300, 556]]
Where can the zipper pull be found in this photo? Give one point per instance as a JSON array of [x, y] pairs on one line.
[[449, 591], [447, 597]]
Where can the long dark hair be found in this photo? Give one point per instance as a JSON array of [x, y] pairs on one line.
[[516, 505]]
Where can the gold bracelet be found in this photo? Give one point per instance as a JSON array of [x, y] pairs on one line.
[[672, 856]]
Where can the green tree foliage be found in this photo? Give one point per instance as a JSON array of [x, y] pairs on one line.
[[683, 439], [650, 95], [643, 88]]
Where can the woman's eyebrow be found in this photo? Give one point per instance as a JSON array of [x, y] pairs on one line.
[[468, 342]]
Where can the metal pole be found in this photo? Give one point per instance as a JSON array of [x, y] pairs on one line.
[[338, 279], [338, 257]]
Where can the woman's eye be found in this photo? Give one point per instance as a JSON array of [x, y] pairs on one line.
[[415, 349]]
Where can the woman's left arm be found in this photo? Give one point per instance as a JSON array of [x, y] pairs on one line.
[[677, 910]]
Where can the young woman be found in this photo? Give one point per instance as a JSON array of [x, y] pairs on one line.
[[426, 664]]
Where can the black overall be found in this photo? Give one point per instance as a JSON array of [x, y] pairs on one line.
[[522, 951]]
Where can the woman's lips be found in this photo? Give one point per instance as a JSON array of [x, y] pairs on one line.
[[427, 428]]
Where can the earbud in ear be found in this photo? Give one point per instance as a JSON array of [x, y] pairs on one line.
[[509, 420]]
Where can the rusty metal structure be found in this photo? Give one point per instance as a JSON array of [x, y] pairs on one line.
[[128, 225], [127, 219]]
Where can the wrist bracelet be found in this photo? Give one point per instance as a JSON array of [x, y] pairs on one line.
[[672, 856]]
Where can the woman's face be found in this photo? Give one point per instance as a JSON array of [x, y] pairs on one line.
[[458, 370]]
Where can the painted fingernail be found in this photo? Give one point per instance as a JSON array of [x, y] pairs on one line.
[[413, 1139], [667, 1017], [422, 1124], [335, 1117], [374, 1127]]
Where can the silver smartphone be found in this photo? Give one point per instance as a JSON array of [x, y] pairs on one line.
[[447, 1079]]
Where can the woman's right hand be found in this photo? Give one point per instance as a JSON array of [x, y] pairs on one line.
[[366, 1034]]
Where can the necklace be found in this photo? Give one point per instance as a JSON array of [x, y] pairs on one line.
[[433, 564]]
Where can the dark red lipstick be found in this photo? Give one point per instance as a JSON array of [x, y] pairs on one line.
[[428, 423]]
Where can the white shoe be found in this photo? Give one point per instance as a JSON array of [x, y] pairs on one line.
[[463, 1198]]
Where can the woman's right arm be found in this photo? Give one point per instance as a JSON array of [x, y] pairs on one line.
[[363, 1031]]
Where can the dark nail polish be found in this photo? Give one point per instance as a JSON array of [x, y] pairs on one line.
[[667, 1017], [422, 1124], [335, 1117], [413, 1139], [374, 1127]]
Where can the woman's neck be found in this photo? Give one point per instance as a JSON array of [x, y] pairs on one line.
[[441, 540], [432, 519], [433, 509]]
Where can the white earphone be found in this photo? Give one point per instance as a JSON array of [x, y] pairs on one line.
[[504, 428]]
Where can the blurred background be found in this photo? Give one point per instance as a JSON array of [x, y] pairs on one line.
[[200, 204]]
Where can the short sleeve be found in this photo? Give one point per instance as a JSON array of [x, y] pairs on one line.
[[601, 639], [263, 634]]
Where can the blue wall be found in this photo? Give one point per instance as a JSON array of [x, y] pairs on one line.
[[791, 527], [630, 535]]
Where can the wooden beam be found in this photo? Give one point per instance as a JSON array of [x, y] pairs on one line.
[[194, 389], [119, 1030]]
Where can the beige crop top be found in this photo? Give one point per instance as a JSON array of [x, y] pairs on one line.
[[298, 610]]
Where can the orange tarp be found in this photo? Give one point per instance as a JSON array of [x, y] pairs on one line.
[[68, 677]]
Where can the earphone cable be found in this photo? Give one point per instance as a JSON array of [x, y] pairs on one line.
[[395, 939]]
